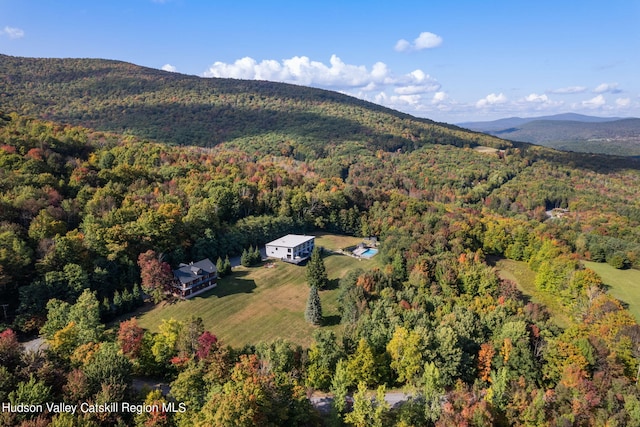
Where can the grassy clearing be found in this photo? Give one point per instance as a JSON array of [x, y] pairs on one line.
[[520, 273], [335, 241], [261, 304], [485, 150], [623, 284]]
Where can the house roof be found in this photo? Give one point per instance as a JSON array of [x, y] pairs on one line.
[[187, 273], [290, 240]]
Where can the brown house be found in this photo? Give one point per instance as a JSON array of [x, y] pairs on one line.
[[194, 278]]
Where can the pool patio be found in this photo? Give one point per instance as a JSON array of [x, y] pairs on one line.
[[364, 252]]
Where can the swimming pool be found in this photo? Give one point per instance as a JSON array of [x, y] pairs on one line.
[[370, 252]]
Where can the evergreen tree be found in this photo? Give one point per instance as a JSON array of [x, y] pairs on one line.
[[245, 259], [127, 301], [256, 257], [316, 271], [313, 313], [251, 255], [137, 295], [117, 303], [227, 266], [220, 267], [105, 309]]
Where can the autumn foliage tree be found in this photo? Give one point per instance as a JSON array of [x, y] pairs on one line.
[[253, 397], [10, 349], [207, 342], [406, 349], [156, 275], [485, 356], [130, 337]]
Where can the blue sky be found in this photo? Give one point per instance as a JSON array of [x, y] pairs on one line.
[[450, 61]]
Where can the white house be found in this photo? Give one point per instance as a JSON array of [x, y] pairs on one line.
[[292, 247]]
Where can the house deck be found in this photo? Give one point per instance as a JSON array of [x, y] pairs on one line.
[[295, 261]]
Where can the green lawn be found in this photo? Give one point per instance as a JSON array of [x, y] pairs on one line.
[[261, 304], [623, 284], [336, 241], [520, 273]]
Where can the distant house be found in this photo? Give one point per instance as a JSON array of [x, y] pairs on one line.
[[194, 278], [292, 248]]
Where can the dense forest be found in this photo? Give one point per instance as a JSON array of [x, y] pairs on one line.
[[92, 216]]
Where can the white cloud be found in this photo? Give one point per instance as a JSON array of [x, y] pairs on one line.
[[416, 89], [300, 70], [595, 102], [415, 92], [491, 99], [440, 97], [534, 97], [412, 100], [607, 87], [568, 90], [623, 102], [402, 45], [425, 40], [337, 75], [379, 70], [169, 67], [12, 33]]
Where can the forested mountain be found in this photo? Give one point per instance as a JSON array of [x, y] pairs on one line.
[[571, 132], [93, 216], [189, 110]]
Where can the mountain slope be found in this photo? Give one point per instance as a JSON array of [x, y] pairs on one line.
[[188, 110]]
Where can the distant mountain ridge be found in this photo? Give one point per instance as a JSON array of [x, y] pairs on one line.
[[569, 132], [500, 124]]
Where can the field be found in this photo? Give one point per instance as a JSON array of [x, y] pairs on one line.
[[520, 273], [485, 150], [261, 303], [623, 284]]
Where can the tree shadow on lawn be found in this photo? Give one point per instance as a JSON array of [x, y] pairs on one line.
[[231, 285], [331, 320], [332, 284], [137, 312]]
